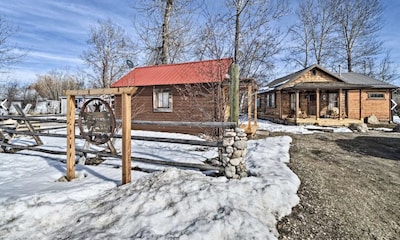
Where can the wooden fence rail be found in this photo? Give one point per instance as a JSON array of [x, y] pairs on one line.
[[138, 138], [83, 152]]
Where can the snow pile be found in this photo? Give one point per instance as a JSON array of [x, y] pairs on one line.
[[396, 119], [301, 129], [167, 204]]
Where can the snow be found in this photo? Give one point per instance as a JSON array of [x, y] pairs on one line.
[[396, 119], [164, 204], [304, 129]]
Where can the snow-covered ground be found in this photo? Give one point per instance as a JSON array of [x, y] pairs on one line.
[[396, 119], [170, 203]]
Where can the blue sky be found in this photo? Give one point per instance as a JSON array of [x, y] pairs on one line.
[[55, 31]]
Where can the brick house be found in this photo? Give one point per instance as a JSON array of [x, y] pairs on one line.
[[315, 95], [188, 92]]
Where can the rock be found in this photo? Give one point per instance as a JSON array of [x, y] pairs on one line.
[[242, 134], [235, 161], [229, 134], [359, 127], [230, 171], [229, 149], [228, 141], [243, 174], [240, 144], [372, 119], [237, 154], [239, 130]]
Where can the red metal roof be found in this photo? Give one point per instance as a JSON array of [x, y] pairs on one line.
[[181, 73]]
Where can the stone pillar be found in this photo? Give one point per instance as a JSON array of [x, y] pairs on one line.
[[233, 153]]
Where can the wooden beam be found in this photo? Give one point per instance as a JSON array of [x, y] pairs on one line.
[[126, 138], [234, 93], [70, 137], [28, 124], [340, 103], [317, 104], [280, 105], [360, 103], [185, 124], [297, 105], [255, 107], [249, 106], [101, 91]]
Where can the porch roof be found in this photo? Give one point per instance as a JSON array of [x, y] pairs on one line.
[[326, 86]]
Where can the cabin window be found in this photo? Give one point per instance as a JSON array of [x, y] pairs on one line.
[[162, 100], [376, 95], [332, 98], [270, 100], [293, 101]]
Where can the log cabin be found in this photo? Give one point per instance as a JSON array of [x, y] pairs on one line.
[[186, 92], [317, 96]]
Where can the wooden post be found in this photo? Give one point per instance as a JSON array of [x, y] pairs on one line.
[[70, 137], [255, 107], [126, 93], [126, 138], [234, 93], [317, 104], [249, 107], [360, 103], [280, 104], [28, 125], [297, 106], [340, 103]]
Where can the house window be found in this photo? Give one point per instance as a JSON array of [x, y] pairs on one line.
[[162, 100], [332, 98], [293, 102], [376, 95], [270, 100]]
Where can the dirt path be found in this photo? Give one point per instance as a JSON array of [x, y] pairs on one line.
[[350, 187]]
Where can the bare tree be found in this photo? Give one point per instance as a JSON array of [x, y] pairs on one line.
[[9, 52], [383, 69], [314, 36], [52, 85], [165, 28], [109, 48], [359, 22], [299, 52], [245, 30], [11, 91]]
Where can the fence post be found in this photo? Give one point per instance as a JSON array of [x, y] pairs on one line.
[[234, 93], [126, 138], [70, 137], [233, 153]]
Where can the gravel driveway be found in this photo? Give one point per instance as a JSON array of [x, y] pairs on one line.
[[350, 186]]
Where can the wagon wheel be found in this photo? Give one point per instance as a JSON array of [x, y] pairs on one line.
[[96, 126]]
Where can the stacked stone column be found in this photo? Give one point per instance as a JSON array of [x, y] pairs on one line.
[[233, 152]]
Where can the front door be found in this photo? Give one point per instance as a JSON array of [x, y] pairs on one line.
[[311, 104]]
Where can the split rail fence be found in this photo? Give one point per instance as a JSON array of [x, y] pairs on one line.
[[33, 128]]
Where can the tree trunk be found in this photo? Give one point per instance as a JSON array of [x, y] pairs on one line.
[[165, 32]]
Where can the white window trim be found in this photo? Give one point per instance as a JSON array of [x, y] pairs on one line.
[[270, 100], [378, 98], [156, 92]]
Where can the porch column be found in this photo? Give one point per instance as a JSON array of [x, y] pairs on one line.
[[317, 104], [339, 103], [255, 107], [280, 104], [249, 99], [297, 105], [360, 99]]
